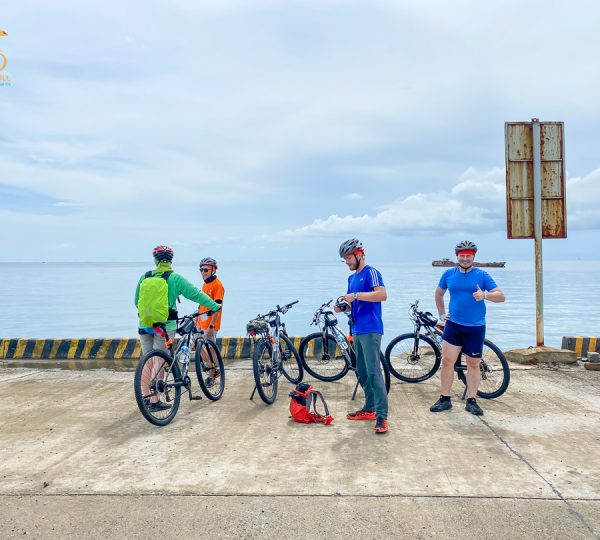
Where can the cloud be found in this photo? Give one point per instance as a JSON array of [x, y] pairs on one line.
[[353, 196], [583, 200], [474, 204]]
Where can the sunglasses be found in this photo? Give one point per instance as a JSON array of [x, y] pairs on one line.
[[204, 270]]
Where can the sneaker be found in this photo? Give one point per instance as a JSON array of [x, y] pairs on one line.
[[441, 405], [158, 406], [473, 407], [361, 415], [381, 426]]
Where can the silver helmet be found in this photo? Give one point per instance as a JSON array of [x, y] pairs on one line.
[[350, 246], [465, 244], [209, 261]]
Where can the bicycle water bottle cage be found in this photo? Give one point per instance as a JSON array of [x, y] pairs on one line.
[[427, 319], [330, 318]]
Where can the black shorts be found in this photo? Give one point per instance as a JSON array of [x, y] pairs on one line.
[[470, 338]]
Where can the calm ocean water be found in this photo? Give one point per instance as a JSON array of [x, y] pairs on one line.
[[63, 300]]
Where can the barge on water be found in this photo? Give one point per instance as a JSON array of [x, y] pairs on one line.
[[448, 262]]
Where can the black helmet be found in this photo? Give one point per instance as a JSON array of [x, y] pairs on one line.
[[427, 318], [209, 261], [162, 253], [350, 246], [465, 244]]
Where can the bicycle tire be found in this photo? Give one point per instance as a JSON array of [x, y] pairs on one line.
[[147, 385], [265, 378], [493, 357], [408, 367], [320, 364], [384, 367], [291, 365], [212, 384]]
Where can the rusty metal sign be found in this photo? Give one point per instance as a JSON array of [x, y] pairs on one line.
[[520, 158]]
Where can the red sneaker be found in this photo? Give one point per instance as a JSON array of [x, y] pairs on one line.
[[381, 426], [361, 415]]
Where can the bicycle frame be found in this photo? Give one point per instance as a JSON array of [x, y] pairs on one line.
[[274, 322]]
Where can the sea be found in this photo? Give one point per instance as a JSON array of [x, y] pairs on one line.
[[95, 300]]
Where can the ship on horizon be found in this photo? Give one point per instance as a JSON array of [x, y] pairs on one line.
[[448, 262]]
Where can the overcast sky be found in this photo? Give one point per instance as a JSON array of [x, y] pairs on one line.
[[275, 129]]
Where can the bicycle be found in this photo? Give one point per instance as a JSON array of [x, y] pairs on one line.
[[160, 376], [269, 362], [415, 357], [329, 354]]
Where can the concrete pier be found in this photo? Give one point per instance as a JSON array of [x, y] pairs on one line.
[[78, 460]]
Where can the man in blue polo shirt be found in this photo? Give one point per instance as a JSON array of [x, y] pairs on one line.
[[464, 324], [365, 294]]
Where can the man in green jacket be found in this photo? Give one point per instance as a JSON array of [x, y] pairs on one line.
[[177, 285]]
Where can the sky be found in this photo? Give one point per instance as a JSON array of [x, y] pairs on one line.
[[273, 130]]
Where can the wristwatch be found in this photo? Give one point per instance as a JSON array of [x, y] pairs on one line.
[[355, 296]]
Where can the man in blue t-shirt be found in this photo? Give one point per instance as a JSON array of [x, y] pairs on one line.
[[364, 294], [464, 323]]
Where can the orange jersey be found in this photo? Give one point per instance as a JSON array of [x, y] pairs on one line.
[[216, 291]]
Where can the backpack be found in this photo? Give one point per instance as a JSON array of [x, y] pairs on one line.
[[153, 299], [303, 405]]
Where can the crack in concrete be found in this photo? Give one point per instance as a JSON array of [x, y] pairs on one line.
[[570, 508], [296, 495], [19, 377]]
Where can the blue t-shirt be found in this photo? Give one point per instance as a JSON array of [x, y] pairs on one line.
[[464, 309], [366, 315]]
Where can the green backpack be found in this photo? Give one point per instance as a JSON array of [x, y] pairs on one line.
[[153, 300]]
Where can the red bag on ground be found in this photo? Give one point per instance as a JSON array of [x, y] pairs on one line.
[[303, 406]]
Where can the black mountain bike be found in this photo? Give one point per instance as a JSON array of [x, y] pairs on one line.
[[161, 376], [329, 354], [268, 361], [416, 356]]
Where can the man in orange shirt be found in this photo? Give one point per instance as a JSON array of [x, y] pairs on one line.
[[213, 288]]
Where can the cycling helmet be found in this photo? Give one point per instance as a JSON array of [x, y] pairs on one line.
[[465, 244], [350, 246], [209, 261], [163, 253]]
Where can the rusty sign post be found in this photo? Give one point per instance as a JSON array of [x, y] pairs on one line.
[[535, 192]]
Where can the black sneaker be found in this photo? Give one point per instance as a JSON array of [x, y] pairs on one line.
[[473, 407], [158, 406], [441, 405]]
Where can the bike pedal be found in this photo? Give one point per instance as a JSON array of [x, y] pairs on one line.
[[196, 398]]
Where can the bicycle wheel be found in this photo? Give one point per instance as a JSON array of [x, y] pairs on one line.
[[323, 358], [413, 360], [156, 392], [495, 373], [265, 376], [291, 365], [210, 369], [385, 370]]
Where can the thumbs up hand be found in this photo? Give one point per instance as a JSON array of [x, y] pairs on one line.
[[479, 295]]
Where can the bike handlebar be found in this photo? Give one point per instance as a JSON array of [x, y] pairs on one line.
[[278, 309]]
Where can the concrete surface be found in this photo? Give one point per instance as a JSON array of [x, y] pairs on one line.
[[544, 355], [78, 460]]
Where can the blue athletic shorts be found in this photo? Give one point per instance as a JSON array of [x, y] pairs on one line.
[[470, 338]]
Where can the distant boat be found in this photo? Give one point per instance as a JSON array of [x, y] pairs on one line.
[[448, 262]]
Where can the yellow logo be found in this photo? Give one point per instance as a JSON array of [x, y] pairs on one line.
[[4, 79]]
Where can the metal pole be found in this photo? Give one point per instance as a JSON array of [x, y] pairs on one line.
[[537, 229]]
